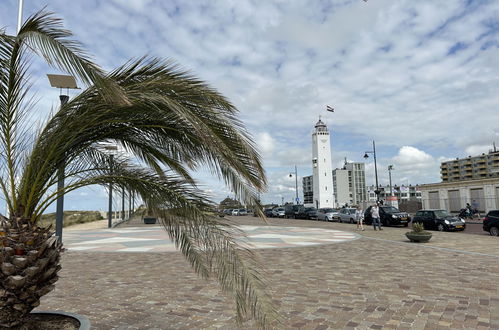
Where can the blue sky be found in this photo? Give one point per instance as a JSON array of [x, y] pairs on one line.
[[418, 77]]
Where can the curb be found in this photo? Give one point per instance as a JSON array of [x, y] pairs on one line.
[[84, 321]]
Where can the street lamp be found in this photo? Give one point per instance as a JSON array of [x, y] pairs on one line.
[[110, 205], [375, 169], [390, 168], [68, 82], [296, 183]]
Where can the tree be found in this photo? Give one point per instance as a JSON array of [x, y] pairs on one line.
[[230, 203], [169, 123]]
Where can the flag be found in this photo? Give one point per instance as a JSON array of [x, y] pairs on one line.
[[328, 108]]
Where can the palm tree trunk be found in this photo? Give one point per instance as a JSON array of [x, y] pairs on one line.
[[29, 263]]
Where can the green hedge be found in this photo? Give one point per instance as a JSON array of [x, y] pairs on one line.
[[71, 218]]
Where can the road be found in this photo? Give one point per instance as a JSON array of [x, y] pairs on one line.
[[475, 228]]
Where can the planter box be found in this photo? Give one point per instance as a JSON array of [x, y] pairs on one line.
[[418, 238], [149, 220]]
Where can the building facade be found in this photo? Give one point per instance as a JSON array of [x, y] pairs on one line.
[[342, 192], [357, 182], [308, 190], [471, 168], [350, 184], [473, 180], [403, 192], [323, 193], [453, 196]]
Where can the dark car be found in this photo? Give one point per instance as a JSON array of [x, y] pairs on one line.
[[307, 213], [268, 213], [491, 222], [389, 216], [291, 210], [440, 220]]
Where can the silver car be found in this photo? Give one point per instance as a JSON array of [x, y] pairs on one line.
[[346, 214], [326, 214], [278, 212]]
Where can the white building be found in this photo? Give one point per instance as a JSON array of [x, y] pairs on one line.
[[473, 180], [403, 192], [342, 193], [350, 184], [453, 196], [322, 167], [308, 190]]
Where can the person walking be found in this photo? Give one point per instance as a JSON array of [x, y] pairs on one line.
[[474, 208], [359, 216], [469, 210], [375, 216]]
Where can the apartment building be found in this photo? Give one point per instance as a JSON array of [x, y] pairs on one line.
[[349, 185], [484, 166]]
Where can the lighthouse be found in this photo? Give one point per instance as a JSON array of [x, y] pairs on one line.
[[322, 166]]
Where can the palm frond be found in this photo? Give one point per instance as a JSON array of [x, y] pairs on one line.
[[168, 121], [44, 33]]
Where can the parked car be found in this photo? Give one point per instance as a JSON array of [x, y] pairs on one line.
[[389, 216], [307, 213], [235, 212], [268, 212], [228, 211], [291, 210], [326, 214], [440, 220], [346, 214], [278, 212], [242, 212], [491, 222]]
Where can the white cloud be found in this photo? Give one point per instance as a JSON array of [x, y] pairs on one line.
[[386, 67]]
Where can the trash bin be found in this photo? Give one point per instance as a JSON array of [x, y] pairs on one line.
[[149, 220]]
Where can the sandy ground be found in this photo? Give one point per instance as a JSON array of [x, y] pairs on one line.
[[99, 224]]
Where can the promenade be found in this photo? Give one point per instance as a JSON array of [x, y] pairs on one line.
[[321, 276]]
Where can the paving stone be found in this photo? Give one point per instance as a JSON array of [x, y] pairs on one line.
[[377, 281]]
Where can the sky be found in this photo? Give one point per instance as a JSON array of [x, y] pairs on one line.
[[420, 78]]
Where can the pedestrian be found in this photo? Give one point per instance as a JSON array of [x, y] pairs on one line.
[[375, 216], [359, 216], [469, 210], [474, 207]]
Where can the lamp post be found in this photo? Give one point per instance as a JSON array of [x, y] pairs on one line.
[[375, 169], [296, 183], [20, 16], [68, 82], [390, 168], [122, 203], [110, 205]]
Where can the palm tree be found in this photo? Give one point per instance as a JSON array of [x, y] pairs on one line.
[[168, 122]]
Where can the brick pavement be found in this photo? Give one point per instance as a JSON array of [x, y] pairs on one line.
[[378, 281]]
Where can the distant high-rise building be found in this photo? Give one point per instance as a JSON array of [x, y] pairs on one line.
[[350, 184], [471, 168], [308, 190], [342, 192], [323, 193]]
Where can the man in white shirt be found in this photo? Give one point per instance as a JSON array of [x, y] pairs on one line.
[[375, 216]]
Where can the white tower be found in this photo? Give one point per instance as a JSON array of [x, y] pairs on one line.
[[322, 165]]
